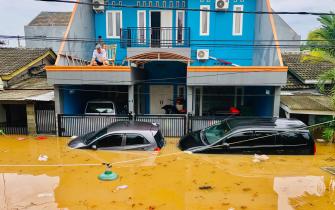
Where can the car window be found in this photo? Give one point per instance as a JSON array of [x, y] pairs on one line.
[[216, 132], [241, 139], [109, 141], [95, 135], [293, 138], [135, 139], [100, 108], [265, 138]]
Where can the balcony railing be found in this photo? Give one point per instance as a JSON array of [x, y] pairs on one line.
[[160, 37]]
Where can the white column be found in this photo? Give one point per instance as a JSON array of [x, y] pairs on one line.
[[189, 94], [276, 102], [58, 100], [131, 99]]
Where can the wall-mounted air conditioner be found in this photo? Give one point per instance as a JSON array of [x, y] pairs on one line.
[[98, 5], [221, 4], [202, 54]]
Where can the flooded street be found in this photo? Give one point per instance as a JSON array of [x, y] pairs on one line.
[[166, 180]]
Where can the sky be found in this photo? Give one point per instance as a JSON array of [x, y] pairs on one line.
[[14, 14]]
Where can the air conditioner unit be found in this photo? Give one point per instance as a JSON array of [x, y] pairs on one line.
[[202, 54], [98, 5], [221, 4]]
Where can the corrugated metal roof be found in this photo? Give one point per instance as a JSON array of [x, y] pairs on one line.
[[308, 102], [32, 83], [24, 95]]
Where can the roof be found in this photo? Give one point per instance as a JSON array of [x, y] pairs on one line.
[[14, 59], [278, 123], [51, 19], [131, 125], [308, 104], [302, 75], [26, 95], [32, 83]]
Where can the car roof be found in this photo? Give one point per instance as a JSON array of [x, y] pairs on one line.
[[276, 123], [131, 125]]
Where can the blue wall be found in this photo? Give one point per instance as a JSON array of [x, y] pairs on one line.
[[220, 29]]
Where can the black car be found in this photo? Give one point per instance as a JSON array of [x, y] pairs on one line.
[[124, 135], [252, 136]]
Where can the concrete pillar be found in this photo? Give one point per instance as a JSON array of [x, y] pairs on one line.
[[58, 100], [131, 99], [276, 102], [189, 94], [31, 119]]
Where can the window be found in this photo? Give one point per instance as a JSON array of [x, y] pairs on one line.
[[181, 92], [157, 3], [180, 26], [110, 141], [164, 4], [171, 4], [177, 4], [135, 139], [265, 138], [138, 3], [120, 3], [243, 139], [238, 21], [204, 20], [141, 24], [150, 3], [114, 24], [216, 132], [292, 138], [183, 4]]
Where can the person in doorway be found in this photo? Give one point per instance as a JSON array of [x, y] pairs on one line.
[[99, 57]]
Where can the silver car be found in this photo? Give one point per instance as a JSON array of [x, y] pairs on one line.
[[125, 135]]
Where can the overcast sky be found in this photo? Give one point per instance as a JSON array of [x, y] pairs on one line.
[[14, 14]]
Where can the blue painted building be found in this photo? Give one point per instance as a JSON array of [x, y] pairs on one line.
[[177, 50]]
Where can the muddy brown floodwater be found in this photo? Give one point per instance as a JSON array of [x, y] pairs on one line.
[[68, 179]]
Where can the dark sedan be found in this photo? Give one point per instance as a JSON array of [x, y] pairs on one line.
[[252, 136], [125, 135]]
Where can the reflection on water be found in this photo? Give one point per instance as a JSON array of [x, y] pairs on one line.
[[27, 191], [293, 187], [183, 181]]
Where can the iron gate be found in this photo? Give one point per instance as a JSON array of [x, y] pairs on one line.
[[45, 122]]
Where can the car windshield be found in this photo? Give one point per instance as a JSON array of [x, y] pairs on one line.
[[100, 108], [95, 135], [216, 132]]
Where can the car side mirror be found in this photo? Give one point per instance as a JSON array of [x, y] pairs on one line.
[[94, 147], [226, 145]]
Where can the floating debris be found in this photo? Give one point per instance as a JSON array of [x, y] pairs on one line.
[[260, 158], [205, 187], [43, 158], [122, 187], [108, 175]]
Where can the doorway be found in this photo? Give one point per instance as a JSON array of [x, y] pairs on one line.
[[160, 95], [161, 28], [155, 29]]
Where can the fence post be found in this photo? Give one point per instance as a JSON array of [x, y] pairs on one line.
[[59, 125], [189, 122]]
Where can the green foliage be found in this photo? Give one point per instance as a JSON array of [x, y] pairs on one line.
[[328, 134]]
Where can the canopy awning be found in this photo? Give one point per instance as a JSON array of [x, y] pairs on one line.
[[144, 58]]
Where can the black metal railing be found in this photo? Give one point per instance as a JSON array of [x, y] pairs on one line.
[[10, 128], [155, 37]]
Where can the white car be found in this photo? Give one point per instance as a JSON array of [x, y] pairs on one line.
[[100, 108]]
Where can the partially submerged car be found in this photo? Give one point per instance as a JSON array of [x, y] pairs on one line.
[[252, 136], [124, 135], [97, 107]]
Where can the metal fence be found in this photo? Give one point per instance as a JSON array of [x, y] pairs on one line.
[[170, 125], [11, 129], [75, 125], [45, 121]]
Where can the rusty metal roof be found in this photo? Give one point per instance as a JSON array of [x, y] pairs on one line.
[[318, 103], [51, 19], [21, 95]]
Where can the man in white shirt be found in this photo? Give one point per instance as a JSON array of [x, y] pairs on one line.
[[99, 57]]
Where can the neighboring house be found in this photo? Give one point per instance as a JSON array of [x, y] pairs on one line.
[[300, 98], [24, 90], [46, 30], [209, 59]]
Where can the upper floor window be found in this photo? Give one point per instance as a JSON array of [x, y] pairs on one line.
[[238, 21], [141, 24], [204, 20], [113, 23]]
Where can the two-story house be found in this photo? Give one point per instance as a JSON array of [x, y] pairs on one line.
[[166, 50]]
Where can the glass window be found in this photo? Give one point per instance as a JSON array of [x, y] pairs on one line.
[[114, 24], [141, 25], [293, 138], [238, 20], [204, 20], [264, 138], [135, 139], [180, 26], [216, 132], [243, 139], [109, 141]]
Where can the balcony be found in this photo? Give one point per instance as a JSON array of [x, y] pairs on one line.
[[155, 37]]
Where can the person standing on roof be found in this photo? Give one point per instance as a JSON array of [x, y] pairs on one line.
[[99, 57]]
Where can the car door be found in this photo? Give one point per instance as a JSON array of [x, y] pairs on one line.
[[241, 142], [135, 141], [109, 142], [293, 142], [265, 142]]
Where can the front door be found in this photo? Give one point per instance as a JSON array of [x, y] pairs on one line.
[[160, 95]]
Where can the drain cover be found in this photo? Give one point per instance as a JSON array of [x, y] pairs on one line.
[[330, 170]]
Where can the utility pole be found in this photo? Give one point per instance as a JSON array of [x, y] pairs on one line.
[[18, 41]]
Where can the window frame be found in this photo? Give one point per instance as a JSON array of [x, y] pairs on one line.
[[113, 13], [182, 29], [241, 21], [144, 27], [208, 7], [107, 135]]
